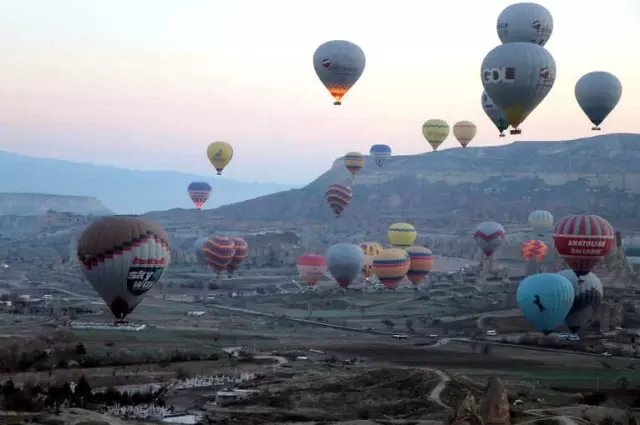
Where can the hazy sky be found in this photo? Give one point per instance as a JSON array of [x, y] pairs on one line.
[[148, 83]]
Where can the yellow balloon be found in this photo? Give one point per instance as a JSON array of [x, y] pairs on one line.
[[464, 131], [435, 131], [220, 154], [370, 250], [402, 235]]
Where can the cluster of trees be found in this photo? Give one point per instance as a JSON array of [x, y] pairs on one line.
[[34, 398]]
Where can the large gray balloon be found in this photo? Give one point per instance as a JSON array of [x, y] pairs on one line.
[[344, 261], [632, 254], [339, 64], [517, 77], [525, 23], [489, 236], [597, 94], [588, 296]]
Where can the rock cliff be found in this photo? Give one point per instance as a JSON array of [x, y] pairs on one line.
[[37, 204]]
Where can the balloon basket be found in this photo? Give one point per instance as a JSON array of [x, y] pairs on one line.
[[595, 128], [515, 131]]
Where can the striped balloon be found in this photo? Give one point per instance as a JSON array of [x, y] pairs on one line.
[[582, 241], [402, 235], [391, 266], [312, 268], [380, 153], [354, 161], [464, 132], [588, 296], [421, 263], [489, 236], [241, 254], [534, 248], [338, 196], [541, 221], [218, 252], [199, 193], [370, 250]]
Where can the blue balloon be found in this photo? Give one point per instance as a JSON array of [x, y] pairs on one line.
[[380, 153], [545, 299], [344, 261]]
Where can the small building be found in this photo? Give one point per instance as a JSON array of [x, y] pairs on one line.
[[227, 396], [400, 336]]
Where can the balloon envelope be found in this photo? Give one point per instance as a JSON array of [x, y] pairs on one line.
[[534, 248], [598, 93], [464, 132], [421, 263], [582, 241], [489, 236], [312, 268], [494, 113], [344, 261], [218, 252], [525, 22], [353, 162], [339, 64], [391, 266], [402, 235], [588, 295], [123, 258], [338, 196], [199, 193], [219, 154], [241, 254], [545, 299], [541, 221], [517, 77], [370, 250], [380, 153], [435, 131]]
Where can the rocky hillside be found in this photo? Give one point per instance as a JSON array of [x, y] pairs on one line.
[[458, 187], [37, 204]]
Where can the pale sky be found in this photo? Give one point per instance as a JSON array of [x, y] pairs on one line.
[[147, 84]]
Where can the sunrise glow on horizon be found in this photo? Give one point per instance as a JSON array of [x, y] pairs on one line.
[[147, 84]]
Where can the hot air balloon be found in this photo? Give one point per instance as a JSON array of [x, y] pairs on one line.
[[489, 236], [380, 153], [421, 263], [402, 235], [370, 250], [338, 196], [545, 299], [339, 64], [526, 23], [199, 193], [534, 248], [598, 93], [494, 113], [354, 161], [541, 221], [588, 296], [344, 261], [123, 257], [218, 252], [464, 132], [435, 131], [312, 268], [241, 254], [582, 241], [391, 266], [219, 154], [632, 254], [517, 77]]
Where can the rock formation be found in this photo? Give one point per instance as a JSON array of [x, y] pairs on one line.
[[466, 413], [494, 406]]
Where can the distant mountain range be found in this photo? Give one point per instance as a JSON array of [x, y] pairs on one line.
[[599, 174], [123, 191]]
